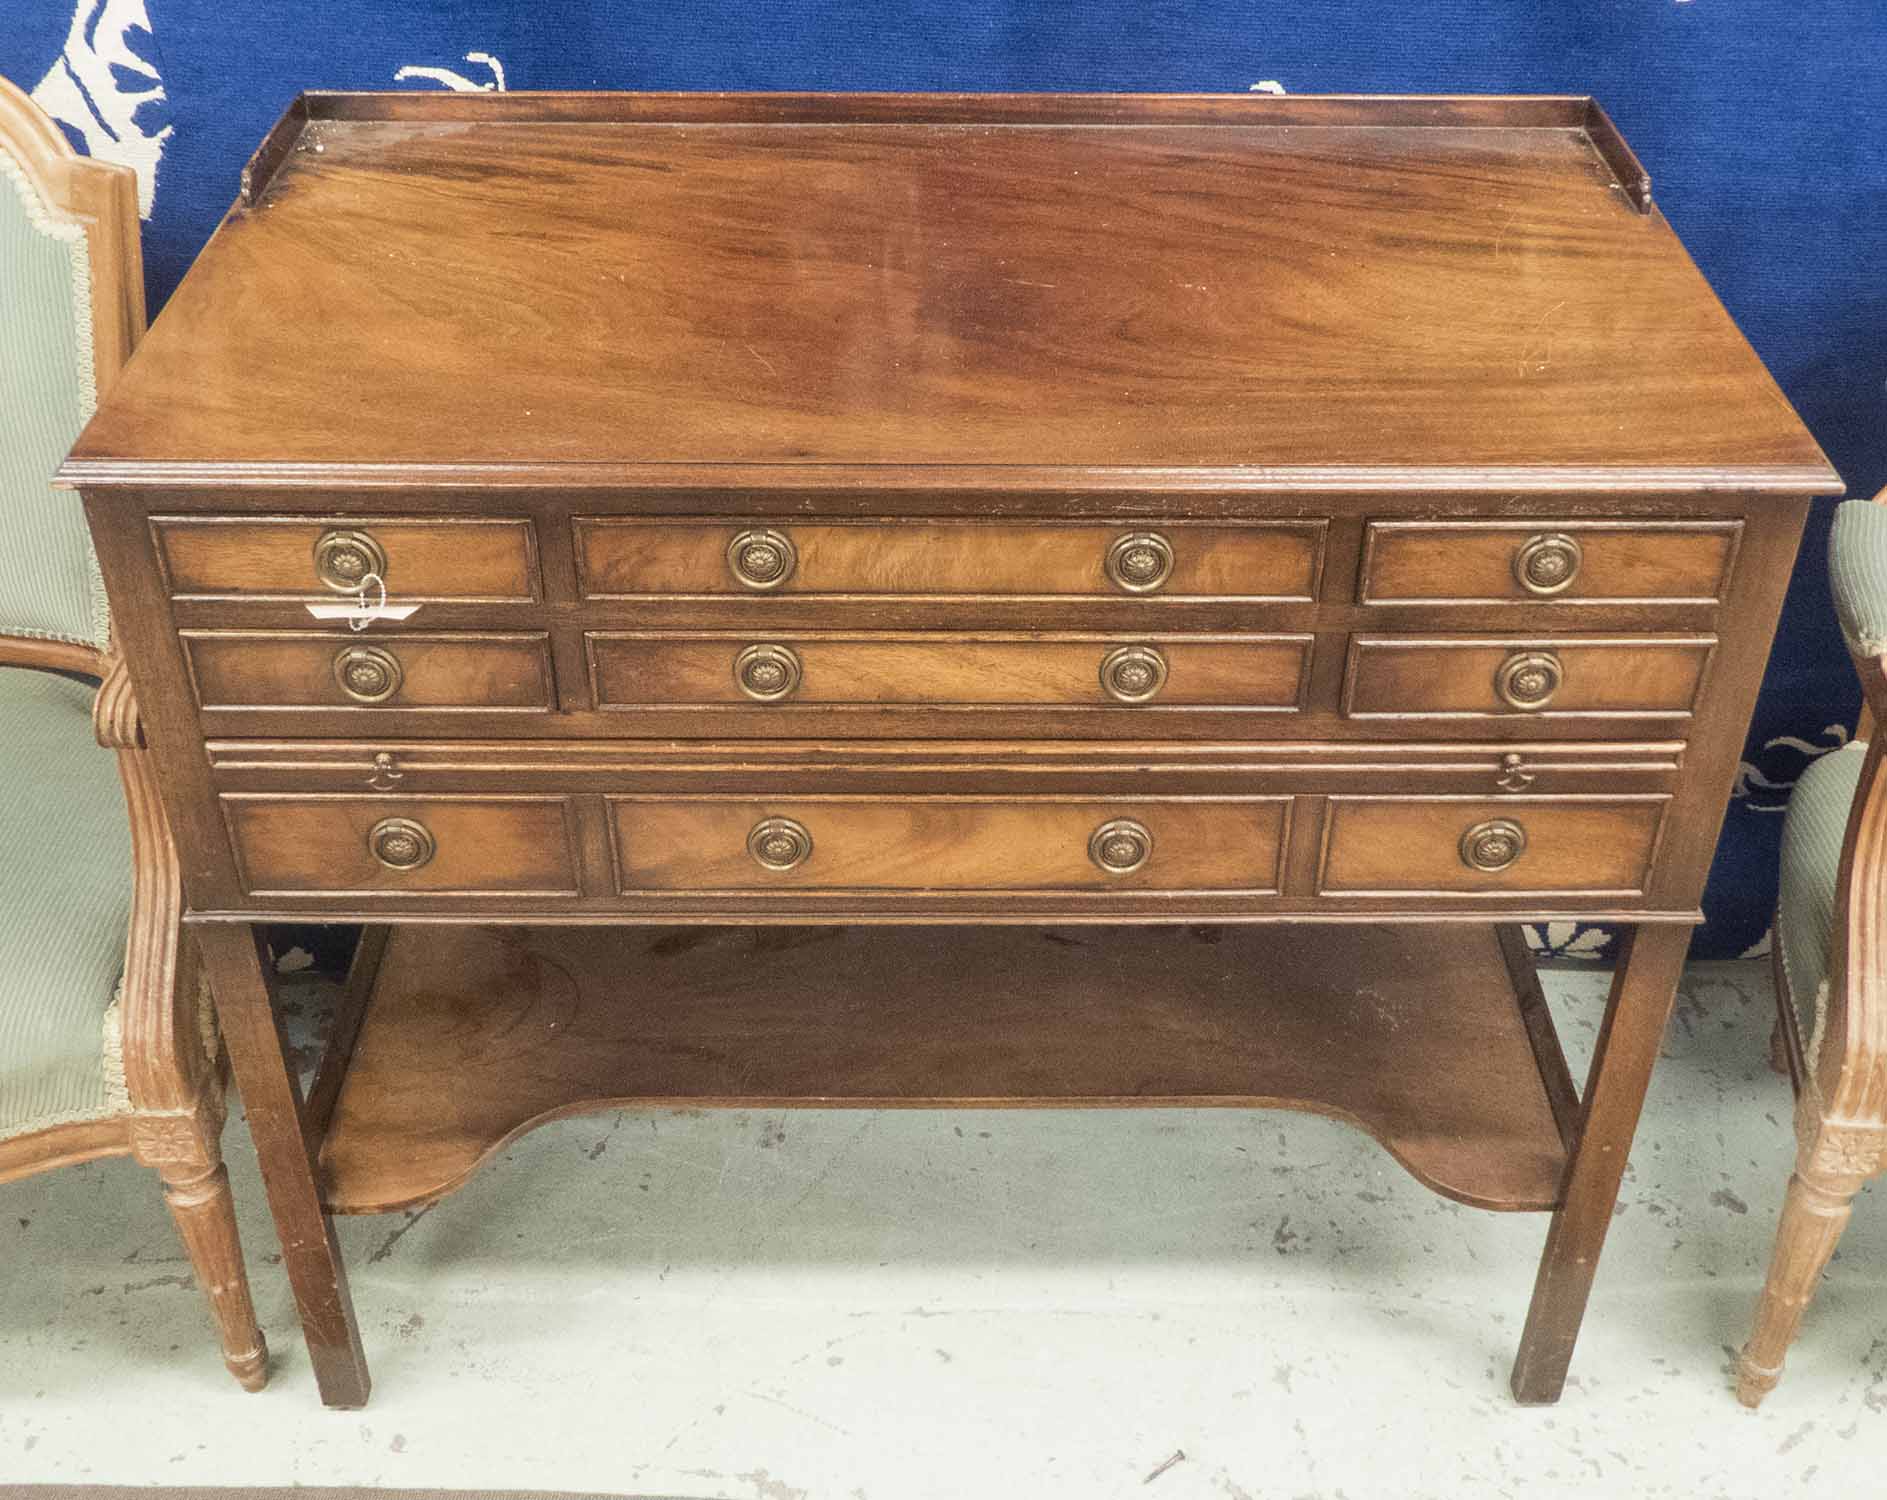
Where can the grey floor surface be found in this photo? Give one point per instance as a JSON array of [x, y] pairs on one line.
[[891, 1306]]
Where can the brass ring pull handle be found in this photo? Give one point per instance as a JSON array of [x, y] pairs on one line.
[[1494, 845], [368, 674], [1548, 563], [1527, 680], [400, 843], [779, 844], [1120, 846], [1139, 561], [767, 674], [1133, 674], [345, 560], [762, 559]]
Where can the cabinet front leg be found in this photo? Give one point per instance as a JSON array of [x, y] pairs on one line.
[[241, 983], [1650, 962]]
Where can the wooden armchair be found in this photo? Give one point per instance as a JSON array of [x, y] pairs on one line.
[[107, 1043], [1831, 961]]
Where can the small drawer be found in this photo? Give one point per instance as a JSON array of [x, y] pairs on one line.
[[1494, 846], [631, 558], [947, 844], [632, 670], [1551, 677], [239, 557], [344, 845], [259, 669], [1547, 561]]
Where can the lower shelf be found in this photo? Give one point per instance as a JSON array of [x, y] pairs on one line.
[[474, 1034]]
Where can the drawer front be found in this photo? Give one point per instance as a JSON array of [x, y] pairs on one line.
[[363, 846], [1506, 846], [473, 561], [947, 844], [256, 669], [625, 558], [1564, 562], [1542, 677], [631, 670]]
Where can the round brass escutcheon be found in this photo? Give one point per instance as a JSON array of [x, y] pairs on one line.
[[767, 674], [400, 843], [368, 674], [1493, 845], [1548, 563], [779, 844], [1140, 561], [1133, 674], [762, 559], [1120, 846], [344, 560], [1527, 680]]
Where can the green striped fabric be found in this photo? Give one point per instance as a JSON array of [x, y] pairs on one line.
[[1812, 835], [49, 584], [1857, 573], [65, 901]]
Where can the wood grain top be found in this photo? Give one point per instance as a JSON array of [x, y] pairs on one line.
[[1047, 291]]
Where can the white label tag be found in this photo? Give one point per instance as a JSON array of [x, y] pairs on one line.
[[365, 613]]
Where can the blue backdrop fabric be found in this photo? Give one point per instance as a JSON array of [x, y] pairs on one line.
[[1763, 124]]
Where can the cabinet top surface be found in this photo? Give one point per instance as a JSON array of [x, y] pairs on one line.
[[1429, 292]]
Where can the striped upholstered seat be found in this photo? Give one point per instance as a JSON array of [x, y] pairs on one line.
[[65, 900], [1812, 834]]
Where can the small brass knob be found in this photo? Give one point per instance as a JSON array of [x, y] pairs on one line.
[[1493, 845], [1133, 674], [343, 560], [1527, 680], [1140, 561], [1548, 563], [1120, 846], [767, 673], [368, 674], [779, 844], [762, 559], [400, 843]]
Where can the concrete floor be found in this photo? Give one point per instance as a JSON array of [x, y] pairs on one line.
[[895, 1306]]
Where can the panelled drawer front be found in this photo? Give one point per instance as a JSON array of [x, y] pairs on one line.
[[1567, 562], [621, 557], [1540, 677], [1498, 846], [473, 561], [630, 670], [259, 669], [439, 845], [947, 844]]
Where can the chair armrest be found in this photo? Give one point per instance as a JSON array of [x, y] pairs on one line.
[[115, 710]]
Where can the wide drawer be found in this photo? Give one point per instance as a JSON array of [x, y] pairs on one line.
[[1486, 846], [259, 669], [1565, 562], [1542, 676], [626, 558], [636, 670], [438, 845], [947, 844], [315, 557]]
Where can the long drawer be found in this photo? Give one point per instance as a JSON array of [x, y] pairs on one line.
[[631, 670], [947, 843], [621, 557]]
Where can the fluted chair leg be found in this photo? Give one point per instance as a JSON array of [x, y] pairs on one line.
[[200, 1202], [1813, 1215]]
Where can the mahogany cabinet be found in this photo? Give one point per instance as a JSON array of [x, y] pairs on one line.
[[747, 568]]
